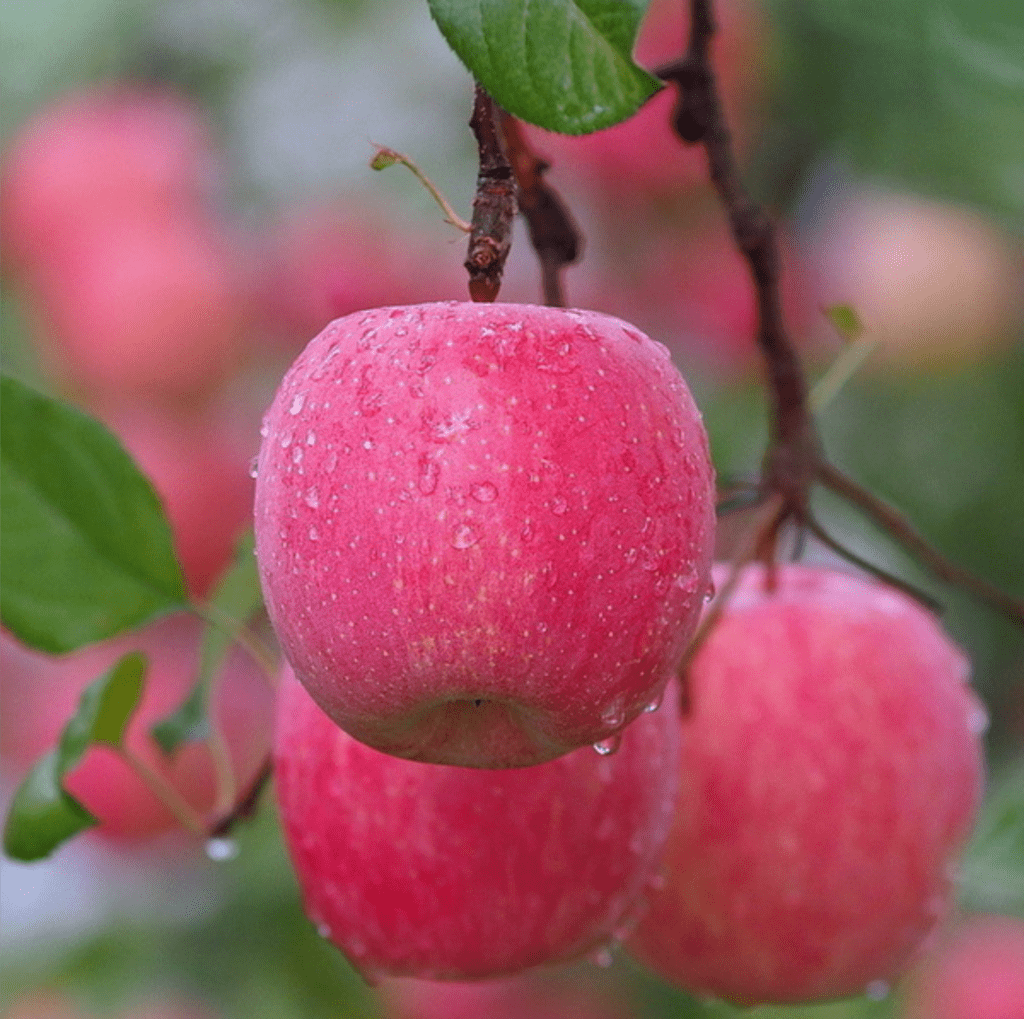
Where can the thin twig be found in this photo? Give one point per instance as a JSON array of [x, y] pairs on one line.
[[494, 206], [247, 805], [553, 232], [385, 157], [162, 790]]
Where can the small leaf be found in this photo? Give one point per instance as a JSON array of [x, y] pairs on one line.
[[86, 547], [845, 321], [565, 65], [237, 598], [43, 813]]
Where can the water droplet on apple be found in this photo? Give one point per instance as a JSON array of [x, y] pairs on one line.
[[602, 957], [877, 990], [651, 706], [464, 536], [298, 402], [312, 498], [559, 506], [264, 429], [977, 718], [614, 713], [254, 466], [221, 849], [429, 470], [607, 747], [485, 492]]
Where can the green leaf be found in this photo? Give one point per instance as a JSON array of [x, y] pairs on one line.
[[86, 547], [565, 65], [43, 814], [237, 598]]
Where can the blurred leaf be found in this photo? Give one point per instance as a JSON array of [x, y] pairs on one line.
[[237, 598], [563, 64], [992, 877], [928, 94], [43, 814], [87, 550], [845, 321]]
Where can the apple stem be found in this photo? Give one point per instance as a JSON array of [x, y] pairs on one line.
[[554, 234], [164, 791], [794, 461], [490, 238]]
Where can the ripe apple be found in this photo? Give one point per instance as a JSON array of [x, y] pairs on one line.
[[642, 156], [97, 154], [199, 465], [831, 769], [974, 971], [484, 531], [451, 873], [41, 693], [934, 283]]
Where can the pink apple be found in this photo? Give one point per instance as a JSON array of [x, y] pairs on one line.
[[100, 153], [150, 306], [41, 694], [199, 465], [831, 770], [459, 873], [521, 997], [974, 971], [483, 531], [935, 284], [642, 156]]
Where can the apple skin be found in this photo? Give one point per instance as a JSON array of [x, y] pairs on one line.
[[484, 531], [974, 971], [449, 873], [40, 694], [831, 771]]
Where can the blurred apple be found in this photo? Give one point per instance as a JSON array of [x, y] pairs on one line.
[[935, 284], [41, 693], [973, 971]]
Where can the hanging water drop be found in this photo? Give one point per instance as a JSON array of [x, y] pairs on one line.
[[602, 957], [254, 467], [651, 706], [607, 747], [877, 990], [221, 849]]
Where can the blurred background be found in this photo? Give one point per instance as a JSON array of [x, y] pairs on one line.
[[186, 200]]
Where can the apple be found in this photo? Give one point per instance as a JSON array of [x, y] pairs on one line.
[[935, 284], [974, 971], [199, 465], [100, 153], [41, 693], [642, 156], [451, 873], [520, 997], [830, 774], [483, 530]]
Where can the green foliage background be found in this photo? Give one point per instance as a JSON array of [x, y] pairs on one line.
[[915, 91]]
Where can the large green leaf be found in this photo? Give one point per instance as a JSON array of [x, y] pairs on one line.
[[86, 547], [928, 94], [563, 64], [43, 814]]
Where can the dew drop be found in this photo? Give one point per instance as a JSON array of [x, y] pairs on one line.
[[602, 957], [368, 444], [651, 706], [559, 506], [977, 718], [429, 470], [264, 430], [607, 747], [323, 930], [614, 714], [877, 990], [312, 498], [298, 402], [220, 850], [254, 467], [464, 536], [485, 492]]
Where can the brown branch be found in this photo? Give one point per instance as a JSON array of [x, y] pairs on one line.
[[553, 232], [898, 527], [494, 205]]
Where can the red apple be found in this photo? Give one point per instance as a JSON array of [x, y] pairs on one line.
[[975, 971], [106, 152], [199, 465], [642, 155], [831, 770], [41, 694], [484, 531], [459, 873]]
